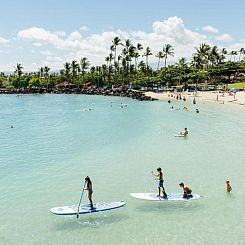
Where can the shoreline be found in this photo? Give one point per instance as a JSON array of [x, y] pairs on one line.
[[119, 92], [204, 96]]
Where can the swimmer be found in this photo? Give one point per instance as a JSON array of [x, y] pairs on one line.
[[197, 111], [228, 186], [185, 132]]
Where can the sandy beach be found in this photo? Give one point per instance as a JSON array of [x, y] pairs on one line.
[[214, 97]]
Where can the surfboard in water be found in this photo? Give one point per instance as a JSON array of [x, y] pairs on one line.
[[85, 208], [170, 197], [180, 135]]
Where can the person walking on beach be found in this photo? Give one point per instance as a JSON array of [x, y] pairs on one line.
[[89, 188], [228, 186], [187, 191], [159, 175]]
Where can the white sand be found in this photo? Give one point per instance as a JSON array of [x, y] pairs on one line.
[[214, 96]]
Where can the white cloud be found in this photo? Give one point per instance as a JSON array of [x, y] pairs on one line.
[[60, 33], [70, 46], [84, 28], [38, 44], [46, 53], [211, 29], [225, 38], [3, 40]]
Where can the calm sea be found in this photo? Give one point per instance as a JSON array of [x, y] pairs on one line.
[[56, 141]]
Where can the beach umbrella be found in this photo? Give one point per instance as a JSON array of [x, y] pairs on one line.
[[232, 90]]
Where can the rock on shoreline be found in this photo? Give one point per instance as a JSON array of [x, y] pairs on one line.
[[120, 92]]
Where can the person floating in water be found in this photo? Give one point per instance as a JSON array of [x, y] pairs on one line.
[[187, 191], [197, 111], [185, 132], [89, 188], [228, 186], [159, 176], [185, 109]]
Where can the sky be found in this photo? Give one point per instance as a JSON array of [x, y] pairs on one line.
[[52, 32]]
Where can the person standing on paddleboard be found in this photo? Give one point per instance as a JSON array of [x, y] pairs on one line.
[[159, 176], [90, 190]]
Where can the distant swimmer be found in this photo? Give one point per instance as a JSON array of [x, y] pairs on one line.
[[197, 111], [169, 101], [12, 127], [185, 109], [187, 191], [184, 99], [194, 101], [228, 186], [185, 132], [159, 176]]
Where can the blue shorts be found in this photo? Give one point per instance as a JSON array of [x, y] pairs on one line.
[[90, 191], [160, 184]]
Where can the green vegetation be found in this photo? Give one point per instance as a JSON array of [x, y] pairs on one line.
[[239, 86], [208, 65]]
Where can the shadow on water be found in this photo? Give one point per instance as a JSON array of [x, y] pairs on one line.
[[88, 221], [170, 207]]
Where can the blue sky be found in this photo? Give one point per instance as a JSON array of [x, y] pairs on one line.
[[50, 32]]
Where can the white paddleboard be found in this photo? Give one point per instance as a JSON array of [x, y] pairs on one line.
[[85, 208], [170, 197], [180, 135]]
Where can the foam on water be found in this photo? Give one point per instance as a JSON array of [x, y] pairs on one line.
[[55, 141]]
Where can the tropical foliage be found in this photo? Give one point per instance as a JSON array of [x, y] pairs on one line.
[[129, 64]]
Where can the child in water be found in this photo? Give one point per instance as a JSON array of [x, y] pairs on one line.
[[228, 186], [187, 191], [90, 190], [159, 176]]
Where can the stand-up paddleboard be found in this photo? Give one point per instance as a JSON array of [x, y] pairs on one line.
[[170, 197], [86, 209], [180, 135]]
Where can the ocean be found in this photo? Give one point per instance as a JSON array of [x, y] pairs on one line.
[[57, 140]]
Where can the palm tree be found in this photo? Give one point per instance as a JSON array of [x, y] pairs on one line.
[[84, 63], [203, 52], [233, 52], [67, 71], [46, 70], [241, 52], [160, 56], [167, 51], [75, 69], [147, 54], [18, 69], [116, 41]]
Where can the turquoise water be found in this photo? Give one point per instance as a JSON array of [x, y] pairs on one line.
[[55, 142]]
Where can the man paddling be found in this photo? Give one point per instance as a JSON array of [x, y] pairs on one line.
[[159, 176]]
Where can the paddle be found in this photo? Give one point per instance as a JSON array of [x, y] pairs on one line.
[[80, 199]]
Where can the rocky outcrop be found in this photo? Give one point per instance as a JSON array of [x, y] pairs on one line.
[[120, 91]]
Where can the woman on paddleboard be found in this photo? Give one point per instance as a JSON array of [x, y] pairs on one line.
[[159, 175], [90, 190]]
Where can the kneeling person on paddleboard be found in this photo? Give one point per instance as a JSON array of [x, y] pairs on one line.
[[159, 175], [90, 190], [187, 191]]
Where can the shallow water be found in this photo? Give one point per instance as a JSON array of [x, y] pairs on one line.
[[55, 141]]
